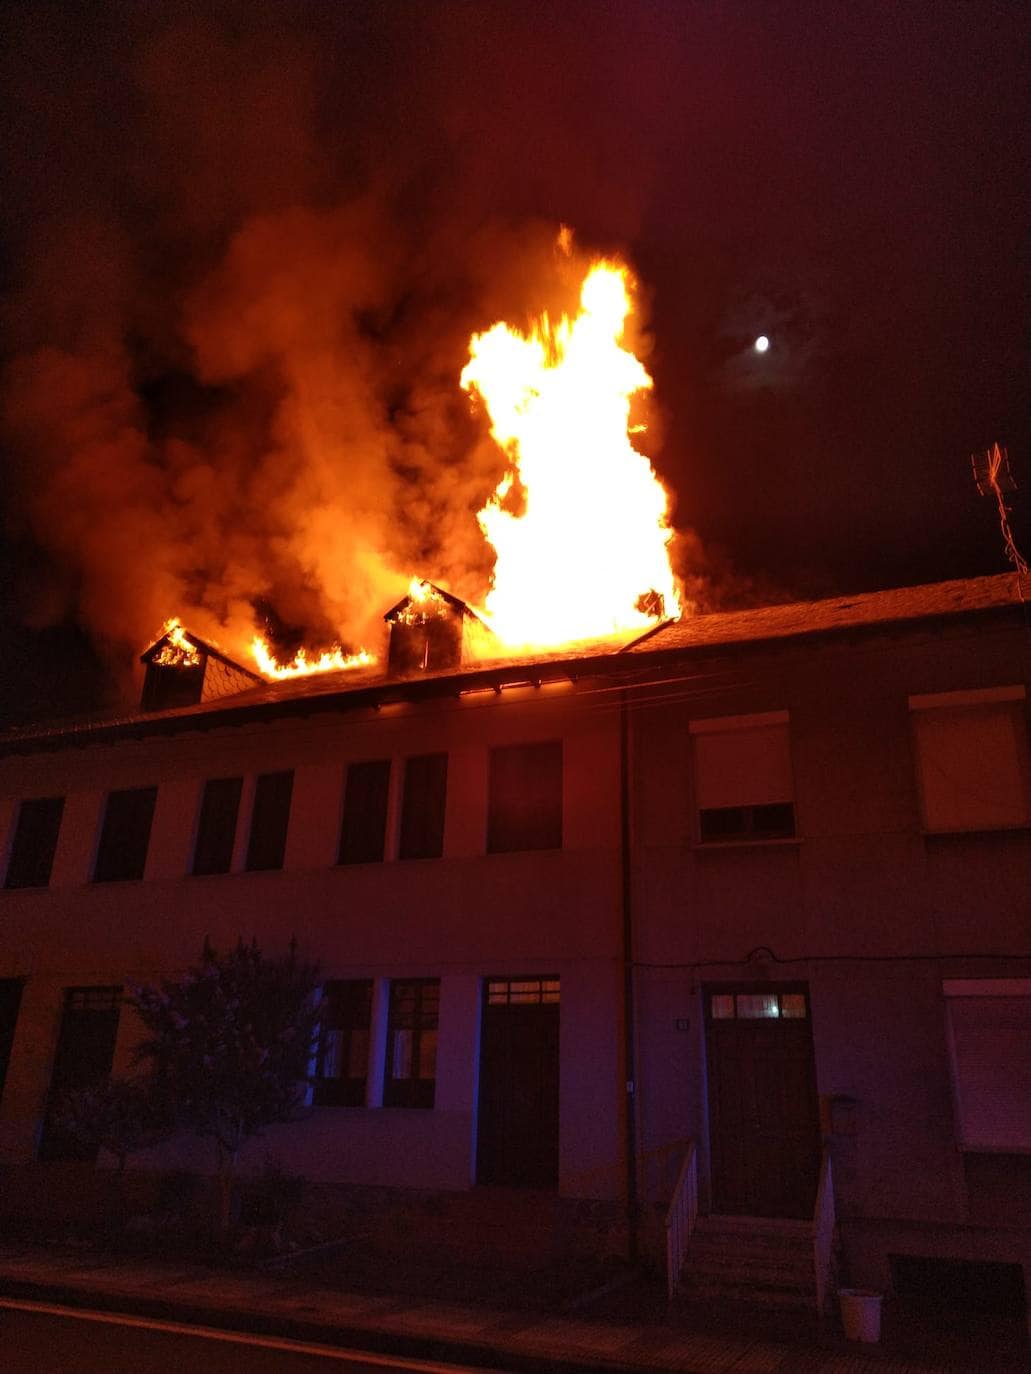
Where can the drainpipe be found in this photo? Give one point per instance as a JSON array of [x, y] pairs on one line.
[[629, 1015]]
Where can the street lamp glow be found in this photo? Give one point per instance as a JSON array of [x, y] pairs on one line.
[[761, 344]]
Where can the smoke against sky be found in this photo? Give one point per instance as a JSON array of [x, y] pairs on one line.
[[246, 247]]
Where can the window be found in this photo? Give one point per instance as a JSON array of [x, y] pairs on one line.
[[412, 1043], [35, 841], [85, 1053], [755, 1006], [364, 826], [269, 819], [524, 798], [122, 853], [515, 992], [10, 1001], [988, 1022], [422, 807], [742, 779], [972, 759], [216, 828], [342, 1064]]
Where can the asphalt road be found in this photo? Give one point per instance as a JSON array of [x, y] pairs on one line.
[[40, 1338]]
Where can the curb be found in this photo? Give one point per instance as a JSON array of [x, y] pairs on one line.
[[475, 1354]]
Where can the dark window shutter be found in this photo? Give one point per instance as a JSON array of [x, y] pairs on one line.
[[364, 825], [422, 808], [122, 853], [35, 841], [216, 827], [524, 808], [269, 820]]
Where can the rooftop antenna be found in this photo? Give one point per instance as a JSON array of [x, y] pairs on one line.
[[994, 477]]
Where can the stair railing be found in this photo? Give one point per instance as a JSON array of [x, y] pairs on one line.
[[824, 1223], [681, 1217]]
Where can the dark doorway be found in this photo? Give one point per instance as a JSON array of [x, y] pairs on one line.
[[518, 1112], [764, 1127], [85, 1053]]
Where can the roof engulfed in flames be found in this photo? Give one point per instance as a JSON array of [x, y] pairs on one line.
[[589, 553], [579, 522], [330, 660]]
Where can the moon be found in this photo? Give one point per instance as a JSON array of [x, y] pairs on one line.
[[761, 344]]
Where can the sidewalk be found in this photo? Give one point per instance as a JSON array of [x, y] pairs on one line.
[[478, 1335]]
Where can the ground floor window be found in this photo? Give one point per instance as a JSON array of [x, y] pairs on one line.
[[988, 1021], [341, 1068], [412, 1043]]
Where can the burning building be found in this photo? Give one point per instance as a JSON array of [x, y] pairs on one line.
[[745, 893]]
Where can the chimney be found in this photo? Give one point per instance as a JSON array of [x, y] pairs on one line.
[[428, 630], [182, 670]]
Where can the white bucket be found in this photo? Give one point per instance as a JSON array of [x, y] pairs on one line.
[[861, 1313]]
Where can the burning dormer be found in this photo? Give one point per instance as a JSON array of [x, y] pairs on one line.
[[429, 629], [183, 670]]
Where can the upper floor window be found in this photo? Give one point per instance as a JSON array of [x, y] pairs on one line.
[[343, 1057], [524, 797], [269, 819], [216, 825], [412, 1043], [422, 807], [35, 842], [742, 778], [972, 759], [364, 825], [125, 835]]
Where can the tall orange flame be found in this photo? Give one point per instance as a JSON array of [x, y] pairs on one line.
[[589, 553]]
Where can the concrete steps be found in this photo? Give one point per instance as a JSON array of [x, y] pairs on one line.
[[755, 1260]]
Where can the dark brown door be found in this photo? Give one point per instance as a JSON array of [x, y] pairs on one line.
[[85, 1053], [763, 1112], [518, 1111]]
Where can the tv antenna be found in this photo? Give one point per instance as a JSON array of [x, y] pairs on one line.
[[994, 477]]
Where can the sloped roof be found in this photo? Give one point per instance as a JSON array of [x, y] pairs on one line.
[[371, 686], [796, 618]]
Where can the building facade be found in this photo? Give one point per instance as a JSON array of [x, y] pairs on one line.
[[758, 881]]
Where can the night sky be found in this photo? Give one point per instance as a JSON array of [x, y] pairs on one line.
[[244, 247]]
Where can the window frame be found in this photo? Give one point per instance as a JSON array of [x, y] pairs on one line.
[[274, 857], [923, 706], [524, 825], [36, 870], [206, 810], [411, 1090], [965, 1086], [339, 1008], [420, 837], [349, 852], [751, 832], [109, 866]]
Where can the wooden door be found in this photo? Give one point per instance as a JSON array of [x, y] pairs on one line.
[[83, 1059], [764, 1126], [517, 1137]]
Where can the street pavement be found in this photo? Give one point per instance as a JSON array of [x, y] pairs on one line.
[[462, 1333]]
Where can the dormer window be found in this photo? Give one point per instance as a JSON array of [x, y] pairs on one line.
[[182, 669], [429, 629]]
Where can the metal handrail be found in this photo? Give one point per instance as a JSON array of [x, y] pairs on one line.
[[824, 1222], [681, 1217]]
